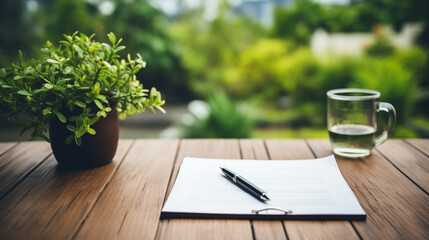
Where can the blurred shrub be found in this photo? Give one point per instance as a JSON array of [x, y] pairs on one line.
[[220, 117], [257, 72], [209, 50], [382, 46], [145, 27], [296, 72], [308, 80], [393, 80], [415, 60], [297, 22]]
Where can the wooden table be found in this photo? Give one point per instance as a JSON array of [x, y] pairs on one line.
[[123, 200]]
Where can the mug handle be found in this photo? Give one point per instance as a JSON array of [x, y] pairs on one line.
[[391, 122]]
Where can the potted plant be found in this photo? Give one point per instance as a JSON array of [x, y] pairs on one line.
[[76, 93]]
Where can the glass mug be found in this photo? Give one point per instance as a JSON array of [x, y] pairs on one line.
[[352, 121]]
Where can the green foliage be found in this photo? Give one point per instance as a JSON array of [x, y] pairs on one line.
[[416, 61], [221, 117], [298, 22], [210, 49], [67, 16], [394, 82], [382, 46], [77, 82], [145, 31], [258, 70]]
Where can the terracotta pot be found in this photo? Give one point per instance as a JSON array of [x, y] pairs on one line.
[[96, 150]]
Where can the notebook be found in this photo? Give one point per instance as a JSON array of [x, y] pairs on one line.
[[311, 189]]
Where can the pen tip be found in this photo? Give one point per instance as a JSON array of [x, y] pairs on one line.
[[265, 197]]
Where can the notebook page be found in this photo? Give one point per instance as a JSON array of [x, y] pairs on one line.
[[312, 187]]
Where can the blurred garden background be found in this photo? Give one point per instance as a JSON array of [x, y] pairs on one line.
[[244, 69]]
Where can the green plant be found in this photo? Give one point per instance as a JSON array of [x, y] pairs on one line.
[[220, 117], [394, 82], [77, 82]]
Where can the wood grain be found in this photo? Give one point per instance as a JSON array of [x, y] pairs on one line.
[[255, 149], [130, 206], [123, 200], [298, 149], [413, 163], [50, 204], [205, 229], [19, 161], [5, 146], [421, 144], [396, 208]]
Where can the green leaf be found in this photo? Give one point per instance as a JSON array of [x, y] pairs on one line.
[[17, 77], [79, 104], [81, 131], [64, 43], [24, 92], [45, 138], [2, 72], [107, 46], [46, 111], [78, 49], [48, 86], [119, 48], [68, 70], [86, 120], [78, 141], [160, 109], [61, 117], [136, 70], [68, 37], [69, 139], [98, 103], [101, 114], [102, 98], [50, 60], [112, 38], [91, 131], [29, 70], [71, 128], [46, 51], [94, 120]]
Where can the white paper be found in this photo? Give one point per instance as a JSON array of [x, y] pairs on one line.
[[307, 187]]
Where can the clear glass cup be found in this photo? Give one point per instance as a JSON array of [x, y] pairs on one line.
[[352, 121]]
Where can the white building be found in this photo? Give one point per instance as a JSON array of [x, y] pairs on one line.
[[323, 43]]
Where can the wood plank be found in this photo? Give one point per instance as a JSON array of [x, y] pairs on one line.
[[51, 204], [421, 144], [4, 146], [130, 206], [205, 229], [396, 208], [19, 161], [410, 161], [298, 149], [255, 149]]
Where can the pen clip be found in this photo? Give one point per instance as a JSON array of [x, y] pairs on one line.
[[285, 212]]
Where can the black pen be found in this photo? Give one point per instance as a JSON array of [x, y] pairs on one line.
[[246, 185]]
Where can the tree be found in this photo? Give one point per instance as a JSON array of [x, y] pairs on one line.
[[145, 31]]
